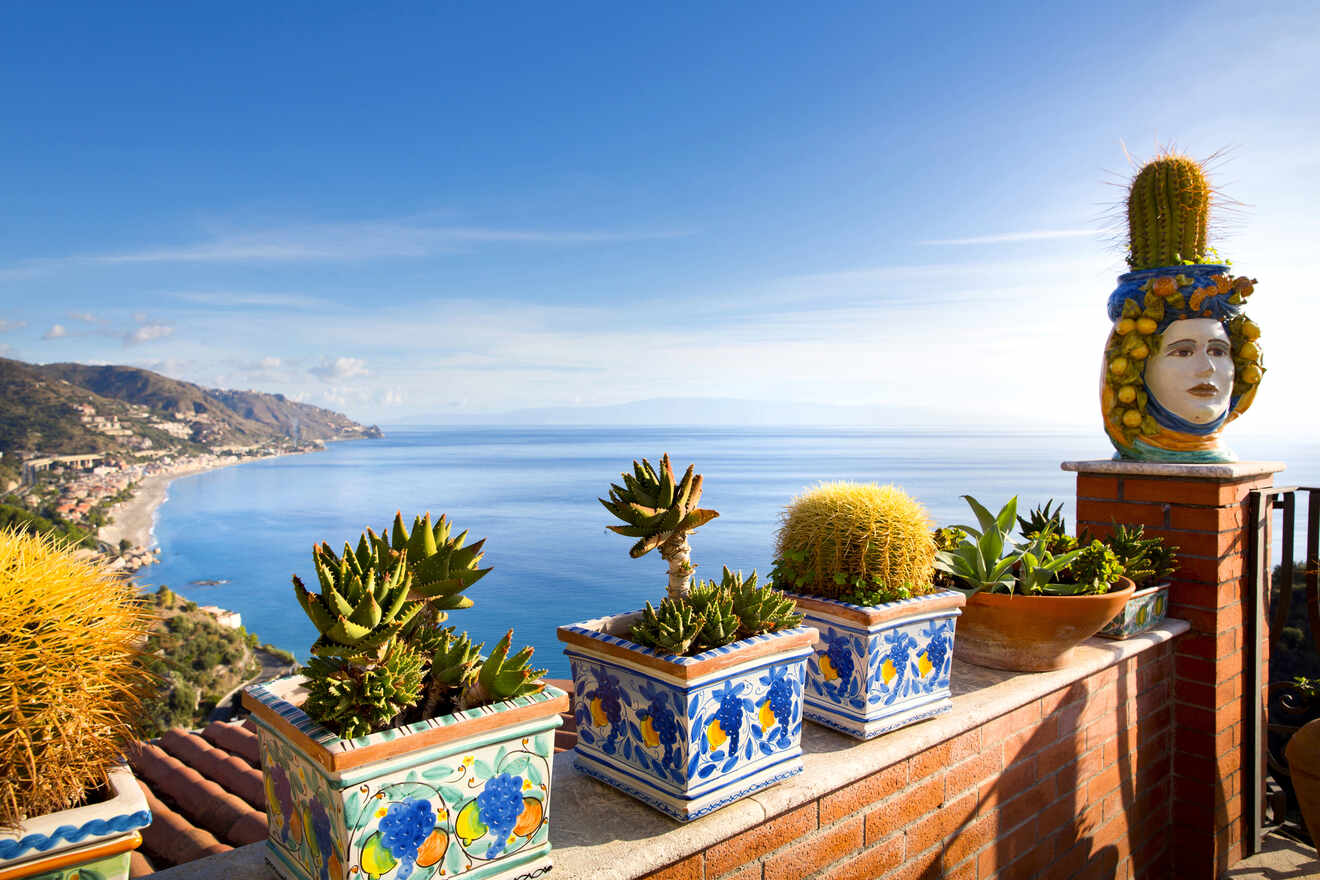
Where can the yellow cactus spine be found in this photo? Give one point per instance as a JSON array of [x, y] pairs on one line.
[[839, 537], [71, 680]]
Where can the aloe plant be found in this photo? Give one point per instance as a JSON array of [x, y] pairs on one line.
[[1039, 567]]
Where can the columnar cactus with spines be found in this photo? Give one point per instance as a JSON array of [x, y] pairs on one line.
[[660, 512], [1168, 208]]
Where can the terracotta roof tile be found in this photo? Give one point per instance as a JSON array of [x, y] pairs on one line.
[[230, 772], [171, 839], [237, 739]]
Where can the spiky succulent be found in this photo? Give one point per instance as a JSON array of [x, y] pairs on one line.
[[381, 659], [1050, 526], [759, 609], [715, 614], [659, 512], [501, 677], [441, 567], [360, 609], [454, 664], [1145, 560], [355, 699], [672, 628]]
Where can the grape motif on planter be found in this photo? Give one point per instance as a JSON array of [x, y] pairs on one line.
[[404, 827], [320, 834], [603, 709], [501, 804], [778, 711], [937, 648], [837, 664], [658, 725]]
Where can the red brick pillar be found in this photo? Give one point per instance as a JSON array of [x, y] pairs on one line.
[[1203, 510]]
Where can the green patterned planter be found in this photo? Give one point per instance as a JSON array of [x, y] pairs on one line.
[[464, 795], [1145, 609]]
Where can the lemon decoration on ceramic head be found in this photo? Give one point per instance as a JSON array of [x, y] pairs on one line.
[[1182, 360]]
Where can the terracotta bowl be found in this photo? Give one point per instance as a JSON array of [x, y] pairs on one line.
[[1032, 633]]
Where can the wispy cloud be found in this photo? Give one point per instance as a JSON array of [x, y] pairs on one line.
[[1011, 237], [250, 300], [364, 241], [7, 326], [146, 333], [56, 331], [339, 369], [86, 317]]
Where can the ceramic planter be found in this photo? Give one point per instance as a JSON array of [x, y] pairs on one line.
[[880, 667], [687, 735], [95, 840], [1032, 633], [1145, 609], [466, 794]]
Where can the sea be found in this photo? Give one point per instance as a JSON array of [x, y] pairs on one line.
[[235, 536]]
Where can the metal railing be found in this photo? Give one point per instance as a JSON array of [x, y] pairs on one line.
[[1281, 705]]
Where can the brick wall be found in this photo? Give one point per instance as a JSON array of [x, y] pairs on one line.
[[1206, 518], [1074, 784]]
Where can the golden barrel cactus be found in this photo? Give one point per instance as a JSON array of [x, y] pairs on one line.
[[841, 537], [71, 679]]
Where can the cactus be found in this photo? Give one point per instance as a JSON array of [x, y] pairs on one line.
[[501, 677], [842, 537], [660, 512], [71, 678], [1168, 206]]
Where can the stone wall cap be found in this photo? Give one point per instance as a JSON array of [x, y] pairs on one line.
[[1230, 470]]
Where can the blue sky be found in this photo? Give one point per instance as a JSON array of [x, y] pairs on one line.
[[405, 211]]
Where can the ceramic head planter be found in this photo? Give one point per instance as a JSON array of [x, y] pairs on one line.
[[1182, 359]]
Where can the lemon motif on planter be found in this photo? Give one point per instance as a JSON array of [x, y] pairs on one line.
[[887, 671], [649, 736], [598, 716], [468, 826], [924, 666], [715, 734], [767, 716], [376, 859], [827, 668]]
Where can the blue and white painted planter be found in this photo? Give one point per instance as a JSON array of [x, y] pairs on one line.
[[464, 795], [687, 735], [99, 836], [877, 668], [1146, 608]]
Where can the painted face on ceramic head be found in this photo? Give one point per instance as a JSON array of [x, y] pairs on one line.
[[1192, 373]]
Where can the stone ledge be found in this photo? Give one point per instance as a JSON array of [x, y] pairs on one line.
[[1231, 470], [597, 832]]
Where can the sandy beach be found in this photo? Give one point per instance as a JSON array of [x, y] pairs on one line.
[[135, 518]]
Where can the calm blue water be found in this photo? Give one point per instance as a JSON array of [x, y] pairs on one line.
[[531, 492]]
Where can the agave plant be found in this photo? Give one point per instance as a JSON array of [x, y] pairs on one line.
[[984, 559]]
